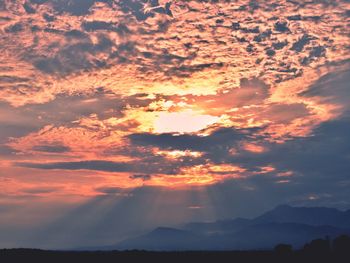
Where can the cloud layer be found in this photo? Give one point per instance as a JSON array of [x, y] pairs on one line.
[[240, 98]]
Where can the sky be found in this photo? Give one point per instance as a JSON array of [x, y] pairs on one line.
[[117, 116]]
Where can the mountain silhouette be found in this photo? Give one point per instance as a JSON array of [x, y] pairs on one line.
[[217, 227], [315, 216], [284, 224], [265, 236], [163, 238]]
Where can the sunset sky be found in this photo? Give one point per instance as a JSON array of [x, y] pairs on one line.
[[120, 115]]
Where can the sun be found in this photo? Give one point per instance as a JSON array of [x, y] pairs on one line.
[[182, 122]]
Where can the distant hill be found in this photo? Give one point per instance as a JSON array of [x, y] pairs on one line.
[[284, 224], [315, 216], [163, 238], [217, 227]]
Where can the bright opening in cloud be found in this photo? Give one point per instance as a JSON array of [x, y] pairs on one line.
[[182, 122]]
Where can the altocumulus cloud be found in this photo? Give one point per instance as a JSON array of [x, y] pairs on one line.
[[222, 138], [105, 166]]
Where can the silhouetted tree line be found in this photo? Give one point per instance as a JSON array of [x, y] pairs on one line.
[[340, 246], [318, 250]]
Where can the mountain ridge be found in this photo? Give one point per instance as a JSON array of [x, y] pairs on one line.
[[283, 224]]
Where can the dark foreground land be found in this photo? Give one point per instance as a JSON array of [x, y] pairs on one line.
[[29, 255], [318, 250]]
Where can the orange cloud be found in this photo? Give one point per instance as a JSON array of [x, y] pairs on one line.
[[76, 83]]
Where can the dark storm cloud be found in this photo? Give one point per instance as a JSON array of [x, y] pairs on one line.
[[223, 139]]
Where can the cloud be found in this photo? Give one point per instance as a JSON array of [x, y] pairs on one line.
[[322, 158], [73, 7], [332, 88], [11, 129], [97, 25], [29, 8], [15, 28], [223, 138], [62, 57], [144, 177], [12, 79], [299, 45], [110, 190], [41, 190], [63, 110], [6, 150], [315, 52], [284, 113], [148, 166], [281, 26], [142, 11], [252, 91], [86, 165], [74, 57], [54, 148], [186, 71], [73, 71]]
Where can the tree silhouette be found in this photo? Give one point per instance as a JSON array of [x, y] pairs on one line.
[[341, 245], [318, 246], [283, 249]]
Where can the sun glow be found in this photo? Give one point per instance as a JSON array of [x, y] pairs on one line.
[[182, 122], [177, 153]]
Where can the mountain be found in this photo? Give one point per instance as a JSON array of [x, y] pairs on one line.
[[315, 216], [283, 224], [262, 236], [266, 236], [163, 238], [217, 227]]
